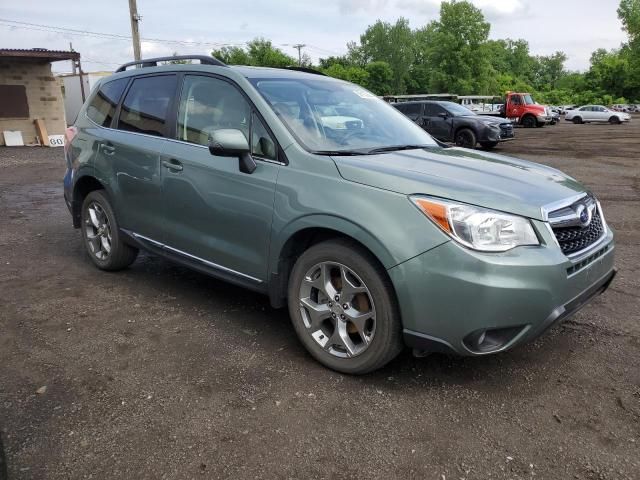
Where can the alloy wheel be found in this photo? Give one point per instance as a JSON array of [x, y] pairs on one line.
[[98, 231], [337, 309]]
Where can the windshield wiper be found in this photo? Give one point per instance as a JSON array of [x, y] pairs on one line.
[[395, 148], [340, 152]]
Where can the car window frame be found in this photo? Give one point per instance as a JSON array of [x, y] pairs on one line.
[[170, 108], [95, 93], [281, 158]]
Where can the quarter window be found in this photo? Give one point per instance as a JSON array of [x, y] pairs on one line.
[[208, 104], [103, 105], [146, 105], [262, 145]]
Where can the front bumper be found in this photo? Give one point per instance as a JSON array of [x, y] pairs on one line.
[[546, 119], [456, 300]]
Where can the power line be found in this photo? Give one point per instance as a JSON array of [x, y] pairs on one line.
[[112, 36]]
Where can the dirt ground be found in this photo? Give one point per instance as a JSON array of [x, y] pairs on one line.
[[159, 372]]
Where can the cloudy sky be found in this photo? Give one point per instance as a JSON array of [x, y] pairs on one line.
[[196, 26]]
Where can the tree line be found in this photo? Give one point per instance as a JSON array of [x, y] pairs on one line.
[[454, 54]]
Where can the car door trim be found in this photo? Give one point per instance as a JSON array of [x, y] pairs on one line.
[[213, 265]]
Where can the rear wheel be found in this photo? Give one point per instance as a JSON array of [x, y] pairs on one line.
[[101, 234], [577, 120], [614, 120], [529, 121], [465, 138], [488, 145], [343, 308]]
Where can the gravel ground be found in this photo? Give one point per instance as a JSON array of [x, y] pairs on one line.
[[159, 372]]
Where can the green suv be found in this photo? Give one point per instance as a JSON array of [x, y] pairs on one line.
[[318, 194]]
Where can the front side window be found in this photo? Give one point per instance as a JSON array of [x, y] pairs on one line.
[[103, 105], [328, 116], [146, 105], [208, 104]]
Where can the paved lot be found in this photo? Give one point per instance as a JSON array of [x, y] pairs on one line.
[[159, 372]]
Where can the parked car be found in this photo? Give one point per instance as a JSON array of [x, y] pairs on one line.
[[374, 235], [620, 108], [451, 122], [596, 113]]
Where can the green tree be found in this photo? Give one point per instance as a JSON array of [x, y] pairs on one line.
[[390, 43], [258, 52], [380, 78], [455, 47]]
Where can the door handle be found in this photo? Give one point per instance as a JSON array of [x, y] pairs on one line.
[[172, 165], [108, 149]]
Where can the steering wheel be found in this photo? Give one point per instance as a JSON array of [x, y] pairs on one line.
[[356, 132]]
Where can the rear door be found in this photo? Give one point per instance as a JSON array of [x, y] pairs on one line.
[[214, 214], [132, 150]]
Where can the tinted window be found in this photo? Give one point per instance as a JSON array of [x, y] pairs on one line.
[[412, 109], [516, 100], [208, 104], [104, 103], [430, 109], [146, 105], [262, 145]]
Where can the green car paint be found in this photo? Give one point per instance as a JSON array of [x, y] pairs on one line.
[[247, 227]]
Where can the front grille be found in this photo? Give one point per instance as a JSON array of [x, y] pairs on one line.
[[575, 239], [506, 130]]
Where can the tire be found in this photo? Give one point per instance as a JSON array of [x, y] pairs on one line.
[[322, 323], [615, 120], [99, 221], [488, 145], [465, 138], [529, 121], [577, 120]]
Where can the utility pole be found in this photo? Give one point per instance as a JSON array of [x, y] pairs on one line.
[[135, 32], [299, 46]]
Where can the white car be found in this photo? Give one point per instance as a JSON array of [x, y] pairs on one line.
[[596, 113]]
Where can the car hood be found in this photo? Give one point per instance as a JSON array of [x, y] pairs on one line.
[[487, 119], [483, 179]]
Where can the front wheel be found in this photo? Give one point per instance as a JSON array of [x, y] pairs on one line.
[[488, 145], [529, 121], [343, 308], [577, 120], [101, 235], [466, 138], [614, 120]]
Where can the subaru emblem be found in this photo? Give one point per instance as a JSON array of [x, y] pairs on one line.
[[584, 215]]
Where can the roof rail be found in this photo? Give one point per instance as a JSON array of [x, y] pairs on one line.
[[306, 70], [153, 62]]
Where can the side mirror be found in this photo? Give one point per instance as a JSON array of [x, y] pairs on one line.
[[231, 142], [444, 115]]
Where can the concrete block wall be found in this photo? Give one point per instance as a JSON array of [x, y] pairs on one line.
[[44, 95]]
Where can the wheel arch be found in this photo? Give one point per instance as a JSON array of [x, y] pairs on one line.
[[298, 237], [81, 188]]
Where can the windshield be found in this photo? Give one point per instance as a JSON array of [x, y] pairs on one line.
[[528, 99], [333, 117], [457, 110]]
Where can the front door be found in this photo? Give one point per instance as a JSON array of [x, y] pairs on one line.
[[440, 122], [214, 213]]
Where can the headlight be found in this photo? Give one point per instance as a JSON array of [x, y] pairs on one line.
[[478, 228]]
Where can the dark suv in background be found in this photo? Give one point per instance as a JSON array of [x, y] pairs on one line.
[[451, 122]]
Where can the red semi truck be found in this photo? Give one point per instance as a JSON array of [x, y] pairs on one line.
[[523, 110]]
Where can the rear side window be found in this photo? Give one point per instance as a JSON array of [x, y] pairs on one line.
[[146, 105], [410, 109], [103, 105]]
